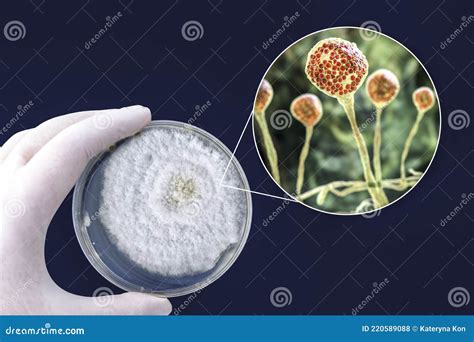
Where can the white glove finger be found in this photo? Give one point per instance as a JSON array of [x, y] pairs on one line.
[[58, 165], [49, 299], [11, 143], [40, 135], [130, 303]]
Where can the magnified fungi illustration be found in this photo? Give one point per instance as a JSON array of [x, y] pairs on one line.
[[424, 100], [264, 97], [336, 67], [308, 110], [371, 146], [382, 87]]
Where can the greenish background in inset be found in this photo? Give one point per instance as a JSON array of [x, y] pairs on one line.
[[333, 154]]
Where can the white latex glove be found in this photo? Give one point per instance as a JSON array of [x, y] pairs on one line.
[[38, 168]]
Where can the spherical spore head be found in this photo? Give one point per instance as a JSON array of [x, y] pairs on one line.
[[264, 96], [336, 67], [307, 109], [382, 87], [423, 98]]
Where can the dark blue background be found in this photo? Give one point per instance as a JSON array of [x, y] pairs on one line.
[[329, 263]]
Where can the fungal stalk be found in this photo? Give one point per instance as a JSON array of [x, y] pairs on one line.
[[264, 97], [308, 110], [382, 87], [344, 188], [338, 68], [424, 99]]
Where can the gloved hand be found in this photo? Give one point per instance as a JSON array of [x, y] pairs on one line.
[[38, 168]]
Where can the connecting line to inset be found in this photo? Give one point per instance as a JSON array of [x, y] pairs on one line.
[[236, 146], [232, 158], [260, 193]]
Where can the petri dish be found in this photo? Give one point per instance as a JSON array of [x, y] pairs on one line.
[[166, 211]]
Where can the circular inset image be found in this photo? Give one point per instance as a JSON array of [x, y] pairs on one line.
[[346, 122], [156, 213]]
